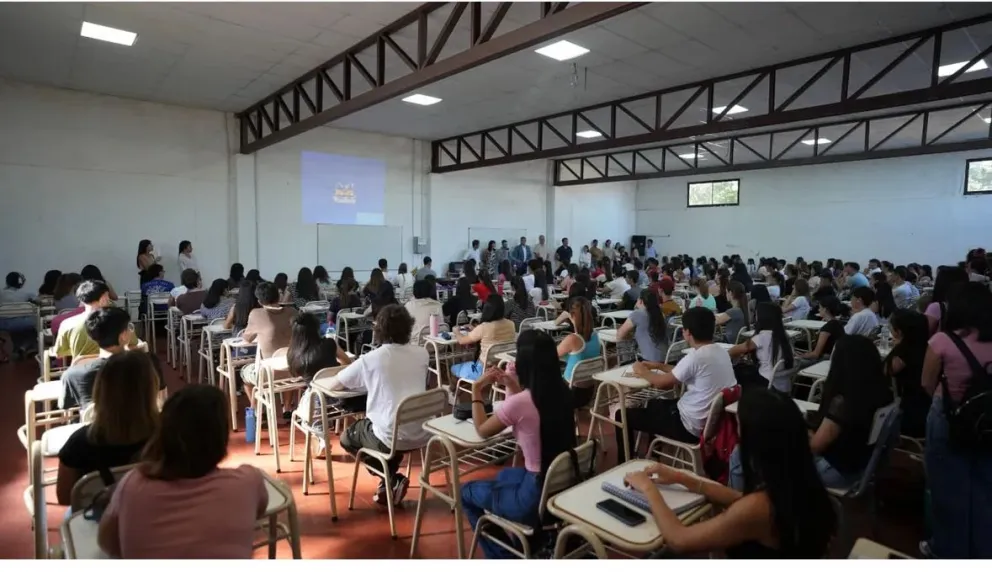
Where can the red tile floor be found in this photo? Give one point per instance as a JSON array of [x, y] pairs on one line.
[[364, 531]]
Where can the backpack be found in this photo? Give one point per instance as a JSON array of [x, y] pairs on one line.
[[970, 421], [723, 440]]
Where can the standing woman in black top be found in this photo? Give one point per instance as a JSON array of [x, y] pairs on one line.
[[910, 333], [781, 509]]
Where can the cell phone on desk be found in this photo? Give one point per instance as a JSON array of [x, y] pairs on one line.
[[624, 514]]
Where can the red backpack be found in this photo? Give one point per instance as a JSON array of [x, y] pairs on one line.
[[723, 439]]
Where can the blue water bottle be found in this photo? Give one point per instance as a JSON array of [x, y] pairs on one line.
[[249, 425]]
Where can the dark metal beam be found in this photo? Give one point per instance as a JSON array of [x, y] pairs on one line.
[[925, 144], [652, 127], [560, 19]]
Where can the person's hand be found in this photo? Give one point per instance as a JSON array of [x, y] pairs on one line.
[[487, 379], [640, 482], [640, 369], [511, 381], [664, 475]]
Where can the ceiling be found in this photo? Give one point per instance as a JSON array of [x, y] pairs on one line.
[[226, 56]]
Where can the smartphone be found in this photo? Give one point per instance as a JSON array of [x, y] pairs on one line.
[[624, 514]]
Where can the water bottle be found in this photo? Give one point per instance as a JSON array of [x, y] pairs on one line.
[[435, 325], [249, 425]]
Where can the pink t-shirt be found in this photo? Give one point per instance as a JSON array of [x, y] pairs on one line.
[[956, 367], [933, 311], [520, 413], [212, 517]]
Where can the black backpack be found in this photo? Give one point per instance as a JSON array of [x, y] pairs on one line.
[[970, 421]]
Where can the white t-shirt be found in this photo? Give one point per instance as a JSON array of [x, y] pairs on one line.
[[535, 295], [421, 309], [474, 255], [801, 308], [862, 323], [528, 281], [774, 292], [618, 287], [764, 344], [705, 372], [390, 374], [903, 295], [188, 261]]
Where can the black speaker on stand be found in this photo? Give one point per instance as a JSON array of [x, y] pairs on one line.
[[638, 242]]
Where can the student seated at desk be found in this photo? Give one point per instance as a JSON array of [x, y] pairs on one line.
[[736, 318], [493, 329], [703, 298], [884, 303], [775, 286], [281, 282], [521, 306], [422, 307], [388, 374], [670, 306], [781, 509], [770, 343], [539, 410], [759, 294], [347, 297], [65, 292], [704, 372], [647, 325], [796, 306], [236, 275], [47, 287], [323, 280], [863, 320], [304, 290], [247, 300], [73, 340], [309, 352], [904, 364], [614, 287], [125, 414], [633, 293], [830, 310], [540, 292], [581, 345], [92, 272], [462, 301], [178, 503], [216, 304], [189, 283], [484, 287], [270, 326]]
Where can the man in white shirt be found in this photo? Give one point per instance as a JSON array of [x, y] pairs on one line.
[[706, 371], [863, 320], [474, 253], [617, 288], [874, 266], [650, 251], [902, 291], [541, 250], [189, 281], [389, 374]]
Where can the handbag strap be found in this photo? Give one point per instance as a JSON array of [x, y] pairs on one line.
[[106, 476]]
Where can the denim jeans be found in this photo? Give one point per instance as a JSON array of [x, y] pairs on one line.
[[831, 477], [514, 495], [960, 493]]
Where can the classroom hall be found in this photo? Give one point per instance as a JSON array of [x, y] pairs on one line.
[[304, 167]]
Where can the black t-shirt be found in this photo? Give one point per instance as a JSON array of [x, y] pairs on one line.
[[564, 254], [836, 331], [849, 453], [722, 304], [80, 453], [78, 381], [915, 401]]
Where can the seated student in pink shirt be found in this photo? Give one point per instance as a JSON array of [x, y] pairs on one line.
[[539, 409], [178, 503]]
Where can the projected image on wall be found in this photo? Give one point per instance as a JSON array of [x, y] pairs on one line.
[[338, 189]]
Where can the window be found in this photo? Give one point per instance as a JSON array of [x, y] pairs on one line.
[[979, 177], [715, 193]]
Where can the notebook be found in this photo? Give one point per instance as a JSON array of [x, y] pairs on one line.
[[676, 497]]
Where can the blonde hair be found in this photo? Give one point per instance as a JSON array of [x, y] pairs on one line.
[[125, 409]]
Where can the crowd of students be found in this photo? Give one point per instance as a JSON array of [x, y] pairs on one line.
[[775, 476]]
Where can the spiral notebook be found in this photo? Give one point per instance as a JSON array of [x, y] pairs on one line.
[[676, 497]]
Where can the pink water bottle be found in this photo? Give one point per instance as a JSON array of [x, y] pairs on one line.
[[435, 325]]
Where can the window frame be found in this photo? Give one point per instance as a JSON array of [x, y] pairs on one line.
[[688, 193], [967, 170]]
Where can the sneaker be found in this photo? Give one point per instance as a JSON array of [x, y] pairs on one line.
[[380, 494], [400, 486]]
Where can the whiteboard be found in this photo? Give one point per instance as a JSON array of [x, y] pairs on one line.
[[484, 235], [360, 247]]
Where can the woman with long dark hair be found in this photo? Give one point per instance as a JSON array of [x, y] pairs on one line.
[[521, 306], [47, 287], [347, 276], [736, 318], [462, 301], [65, 291], [305, 289], [831, 310], [281, 282], [324, 284], [92, 272], [145, 258], [493, 329], [947, 278], [484, 287], [371, 289], [779, 508], [384, 297], [647, 325], [884, 303], [186, 258], [770, 343], [539, 410], [309, 352], [347, 296], [216, 304], [723, 290], [580, 345], [237, 318], [236, 275], [797, 305], [960, 477], [254, 275], [904, 364]]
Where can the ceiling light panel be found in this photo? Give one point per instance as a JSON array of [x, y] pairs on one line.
[[562, 51], [421, 99], [107, 34]]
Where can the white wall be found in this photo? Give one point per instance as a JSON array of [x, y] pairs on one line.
[[84, 177], [904, 210], [597, 211]]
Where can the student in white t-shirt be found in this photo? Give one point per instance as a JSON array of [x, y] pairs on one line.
[[797, 304], [389, 374], [863, 320], [775, 286], [614, 287], [902, 291], [770, 343], [706, 371]]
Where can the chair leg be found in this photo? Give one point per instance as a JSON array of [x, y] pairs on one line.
[[354, 480], [259, 411], [232, 395], [417, 520], [274, 436], [330, 478], [307, 457], [389, 499], [292, 439]]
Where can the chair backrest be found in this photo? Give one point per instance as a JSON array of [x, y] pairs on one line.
[[496, 349], [86, 488], [462, 318], [584, 370], [316, 307], [528, 323], [675, 351], [281, 352], [18, 309], [418, 408], [884, 437], [713, 416], [815, 391], [561, 474]]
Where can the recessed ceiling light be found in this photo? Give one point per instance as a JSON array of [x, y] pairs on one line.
[[563, 50], [692, 156], [820, 141], [733, 110], [949, 69], [112, 35], [421, 99], [987, 119], [588, 134]]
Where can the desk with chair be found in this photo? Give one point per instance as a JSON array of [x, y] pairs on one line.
[[620, 387], [614, 317], [811, 327]]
